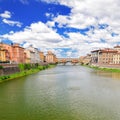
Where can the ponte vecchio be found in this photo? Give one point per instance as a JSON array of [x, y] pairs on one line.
[[63, 61]]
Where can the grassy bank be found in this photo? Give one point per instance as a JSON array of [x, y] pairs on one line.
[[24, 73], [103, 68]]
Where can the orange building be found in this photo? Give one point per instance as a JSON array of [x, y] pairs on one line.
[[19, 55], [14, 53], [50, 57]]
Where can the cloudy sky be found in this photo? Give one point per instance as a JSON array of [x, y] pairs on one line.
[[70, 28]]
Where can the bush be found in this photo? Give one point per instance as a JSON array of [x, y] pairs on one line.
[[36, 64], [27, 66], [44, 67], [4, 77], [1, 67], [40, 67], [21, 67]]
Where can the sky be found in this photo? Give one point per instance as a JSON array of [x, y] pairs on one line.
[[69, 28]]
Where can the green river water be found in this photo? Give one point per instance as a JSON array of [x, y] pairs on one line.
[[62, 93]]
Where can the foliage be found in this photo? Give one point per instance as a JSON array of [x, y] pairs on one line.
[[1, 67], [36, 64], [40, 67], [27, 66], [104, 69], [21, 67], [4, 77]]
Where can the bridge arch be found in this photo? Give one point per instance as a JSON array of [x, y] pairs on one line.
[[64, 61]]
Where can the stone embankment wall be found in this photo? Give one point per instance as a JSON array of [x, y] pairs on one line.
[[13, 68], [9, 65], [9, 70]]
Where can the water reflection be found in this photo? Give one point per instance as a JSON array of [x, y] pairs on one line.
[[62, 93], [113, 75]]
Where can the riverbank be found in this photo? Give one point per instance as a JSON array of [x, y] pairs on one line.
[[24, 73], [103, 68]]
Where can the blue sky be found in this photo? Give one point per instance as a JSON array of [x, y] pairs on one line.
[[70, 28]]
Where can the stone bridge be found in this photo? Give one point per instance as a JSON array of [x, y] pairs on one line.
[[63, 61]]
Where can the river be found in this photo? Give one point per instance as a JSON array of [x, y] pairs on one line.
[[62, 93]]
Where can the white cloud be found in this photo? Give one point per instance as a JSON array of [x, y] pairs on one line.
[[49, 15], [5, 19], [12, 23], [50, 23], [45, 38], [89, 12], [38, 34], [6, 14], [84, 13], [49, 1]]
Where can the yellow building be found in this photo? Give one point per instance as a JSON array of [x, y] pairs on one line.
[[85, 59], [2, 55], [50, 57], [116, 58], [42, 57], [27, 56]]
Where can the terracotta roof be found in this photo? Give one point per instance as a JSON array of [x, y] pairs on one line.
[[106, 50]]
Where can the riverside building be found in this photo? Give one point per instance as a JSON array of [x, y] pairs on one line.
[[50, 57], [2, 55], [103, 56]]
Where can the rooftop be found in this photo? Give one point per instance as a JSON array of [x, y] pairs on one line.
[[105, 50]]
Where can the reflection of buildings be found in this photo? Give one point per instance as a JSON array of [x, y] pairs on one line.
[[113, 75], [116, 75], [50, 57]]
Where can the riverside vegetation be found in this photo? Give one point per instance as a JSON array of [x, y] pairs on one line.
[[106, 69], [25, 69], [103, 68]]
